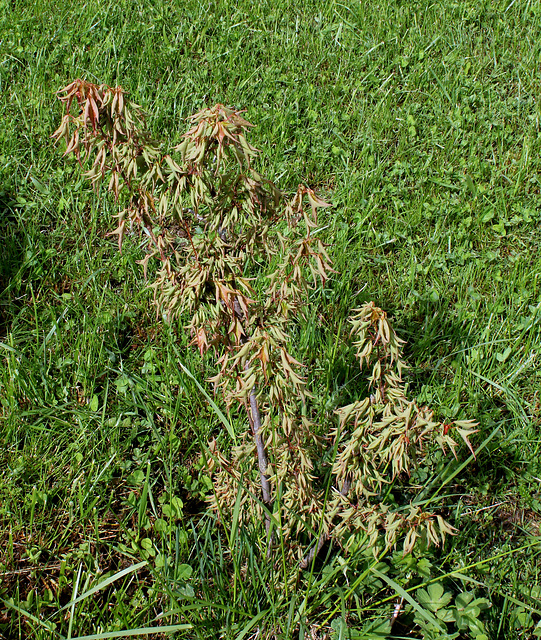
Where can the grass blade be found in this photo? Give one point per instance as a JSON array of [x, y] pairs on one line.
[[105, 583], [214, 406], [27, 614], [404, 594], [136, 632]]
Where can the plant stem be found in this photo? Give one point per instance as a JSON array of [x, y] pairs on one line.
[[255, 421], [309, 557], [261, 455]]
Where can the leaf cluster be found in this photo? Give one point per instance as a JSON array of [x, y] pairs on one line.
[[238, 259]]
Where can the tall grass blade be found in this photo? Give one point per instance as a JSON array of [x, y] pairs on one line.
[[143, 631], [404, 594], [214, 406], [105, 583]]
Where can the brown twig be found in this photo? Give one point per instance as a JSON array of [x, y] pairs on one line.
[[255, 423], [261, 455], [314, 551]]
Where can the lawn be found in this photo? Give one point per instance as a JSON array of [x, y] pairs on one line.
[[420, 123]]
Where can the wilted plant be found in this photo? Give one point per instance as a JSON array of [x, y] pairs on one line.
[[238, 259]]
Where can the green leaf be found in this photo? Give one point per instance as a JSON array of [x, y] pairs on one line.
[[136, 478], [183, 572], [488, 216], [94, 403], [376, 630], [463, 599], [480, 604], [502, 357], [434, 597], [445, 615], [426, 615], [161, 525], [471, 186]]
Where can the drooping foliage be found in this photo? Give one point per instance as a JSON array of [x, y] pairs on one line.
[[236, 259]]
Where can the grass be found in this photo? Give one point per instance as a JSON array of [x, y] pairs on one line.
[[420, 123]]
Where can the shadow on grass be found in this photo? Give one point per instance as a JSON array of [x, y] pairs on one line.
[[11, 260]]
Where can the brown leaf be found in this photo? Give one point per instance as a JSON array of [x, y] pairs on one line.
[[119, 231]]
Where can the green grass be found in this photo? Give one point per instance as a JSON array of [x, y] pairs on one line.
[[419, 121]]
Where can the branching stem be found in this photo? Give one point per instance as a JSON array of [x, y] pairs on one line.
[[255, 422], [314, 551]]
